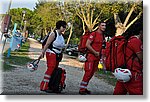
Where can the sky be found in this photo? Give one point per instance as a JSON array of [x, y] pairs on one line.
[[30, 4]]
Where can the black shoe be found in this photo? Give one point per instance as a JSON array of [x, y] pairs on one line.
[[57, 91], [82, 92], [48, 91], [88, 92]]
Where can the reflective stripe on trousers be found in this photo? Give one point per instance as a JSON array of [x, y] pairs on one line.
[[90, 68], [51, 65], [83, 86], [44, 83]]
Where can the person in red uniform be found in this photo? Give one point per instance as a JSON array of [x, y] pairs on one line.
[[94, 46], [51, 54], [134, 52]]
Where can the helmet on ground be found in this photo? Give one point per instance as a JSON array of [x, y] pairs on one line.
[[82, 58], [123, 75], [32, 66]]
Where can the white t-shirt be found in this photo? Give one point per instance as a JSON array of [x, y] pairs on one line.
[[59, 43]]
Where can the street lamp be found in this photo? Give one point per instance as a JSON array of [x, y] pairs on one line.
[[24, 30], [23, 16]]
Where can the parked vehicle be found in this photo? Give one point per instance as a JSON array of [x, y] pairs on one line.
[[41, 41], [38, 39], [72, 50]]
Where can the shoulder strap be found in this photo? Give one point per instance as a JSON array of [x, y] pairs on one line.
[[94, 36], [88, 51], [55, 35], [133, 56], [124, 52], [103, 42], [51, 45]]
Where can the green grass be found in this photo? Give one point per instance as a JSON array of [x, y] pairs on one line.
[[7, 67], [107, 76], [17, 57]]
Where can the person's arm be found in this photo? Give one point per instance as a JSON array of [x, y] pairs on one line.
[[49, 40], [88, 45]]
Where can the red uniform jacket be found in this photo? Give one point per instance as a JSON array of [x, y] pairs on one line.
[[97, 40]]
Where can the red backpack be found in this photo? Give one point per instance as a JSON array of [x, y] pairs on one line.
[[115, 53], [82, 45]]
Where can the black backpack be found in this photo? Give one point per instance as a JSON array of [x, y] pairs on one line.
[[57, 80], [45, 40]]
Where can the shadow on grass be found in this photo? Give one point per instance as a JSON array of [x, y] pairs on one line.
[[20, 58], [107, 76]]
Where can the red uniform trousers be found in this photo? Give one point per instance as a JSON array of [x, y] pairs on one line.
[[90, 68], [51, 65], [133, 87]]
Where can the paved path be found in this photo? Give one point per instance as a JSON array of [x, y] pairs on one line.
[[22, 81]]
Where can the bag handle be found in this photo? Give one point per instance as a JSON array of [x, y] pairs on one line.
[[36, 60]]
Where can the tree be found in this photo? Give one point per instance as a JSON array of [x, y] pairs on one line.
[[122, 27], [48, 13], [90, 13], [17, 17]]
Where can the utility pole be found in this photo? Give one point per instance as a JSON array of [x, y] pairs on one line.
[[24, 29], [7, 13], [9, 7], [8, 20], [23, 17]]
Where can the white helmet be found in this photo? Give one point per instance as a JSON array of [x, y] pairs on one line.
[[82, 58], [32, 66], [123, 75]]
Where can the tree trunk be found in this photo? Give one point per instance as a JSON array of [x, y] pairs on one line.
[[121, 28], [86, 15], [41, 34], [69, 35]]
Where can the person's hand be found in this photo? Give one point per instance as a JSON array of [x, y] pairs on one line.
[[96, 54], [41, 55]]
